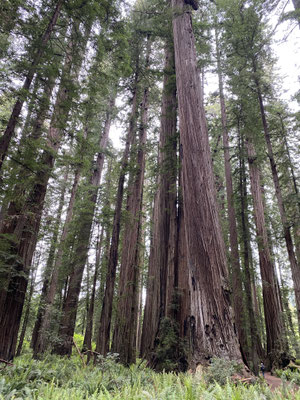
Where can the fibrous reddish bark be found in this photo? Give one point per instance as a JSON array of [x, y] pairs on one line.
[[26, 227], [67, 323], [278, 192], [163, 251], [124, 337], [103, 336], [274, 324], [237, 288], [211, 318]]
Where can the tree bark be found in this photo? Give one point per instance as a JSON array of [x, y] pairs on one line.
[[211, 317], [8, 134], [286, 228], [26, 314], [103, 336], [274, 325], [26, 227], [256, 350], [161, 272], [67, 323], [237, 288], [124, 338], [49, 265]]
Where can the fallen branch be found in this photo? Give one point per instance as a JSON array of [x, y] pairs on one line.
[[6, 362], [81, 356], [93, 352]]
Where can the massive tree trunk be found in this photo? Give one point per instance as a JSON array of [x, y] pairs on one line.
[[274, 326], [286, 228], [161, 273], [237, 288], [8, 134], [67, 323], [124, 338], [23, 186], [211, 316]]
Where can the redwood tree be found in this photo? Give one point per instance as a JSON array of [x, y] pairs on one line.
[[212, 332]]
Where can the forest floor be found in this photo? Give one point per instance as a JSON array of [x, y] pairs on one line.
[[273, 381], [57, 378]]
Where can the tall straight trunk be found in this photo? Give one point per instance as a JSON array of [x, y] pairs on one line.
[[103, 336], [50, 262], [296, 224], [159, 287], [284, 289], [290, 163], [124, 337], [67, 323], [26, 228], [274, 325], [27, 313], [183, 278], [286, 228], [12, 210], [255, 343], [8, 134], [87, 342], [141, 262], [237, 288], [41, 340], [211, 318]]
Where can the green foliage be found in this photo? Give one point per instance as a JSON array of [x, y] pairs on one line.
[[170, 353], [289, 375], [56, 378], [221, 370]]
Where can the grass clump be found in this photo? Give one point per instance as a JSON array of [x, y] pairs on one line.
[[56, 378]]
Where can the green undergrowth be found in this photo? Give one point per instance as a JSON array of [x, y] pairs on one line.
[[58, 378], [289, 376]]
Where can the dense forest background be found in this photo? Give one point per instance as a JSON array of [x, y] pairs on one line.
[[182, 242]]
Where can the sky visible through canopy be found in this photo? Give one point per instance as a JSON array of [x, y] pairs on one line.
[[286, 48]]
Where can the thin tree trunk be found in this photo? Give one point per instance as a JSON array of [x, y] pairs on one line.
[[255, 344], [103, 336], [41, 341], [87, 342], [237, 288], [211, 319], [6, 138], [124, 338], [27, 312], [286, 228], [274, 326], [50, 262], [67, 324]]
